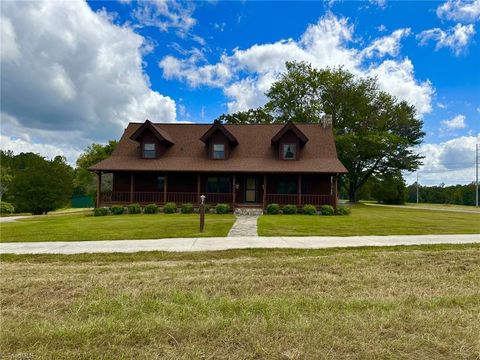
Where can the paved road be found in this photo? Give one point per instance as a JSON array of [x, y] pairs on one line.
[[473, 211], [12, 218], [210, 244]]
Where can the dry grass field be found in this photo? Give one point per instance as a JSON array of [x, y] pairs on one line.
[[418, 302]]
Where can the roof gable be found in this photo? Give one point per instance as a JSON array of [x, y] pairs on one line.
[[159, 133], [290, 127], [218, 126]]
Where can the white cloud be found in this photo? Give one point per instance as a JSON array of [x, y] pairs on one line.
[[246, 74], [386, 45], [380, 3], [165, 14], [457, 122], [85, 79], [456, 38], [441, 105], [450, 162], [460, 10], [382, 28]]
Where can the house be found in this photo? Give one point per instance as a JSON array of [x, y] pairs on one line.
[[244, 165]]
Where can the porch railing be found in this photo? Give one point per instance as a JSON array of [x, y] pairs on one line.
[[304, 199], [145, 197]]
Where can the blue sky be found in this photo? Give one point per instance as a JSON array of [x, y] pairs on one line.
[[76, 72]]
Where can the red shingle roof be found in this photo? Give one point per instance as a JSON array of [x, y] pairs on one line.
[[254, 152]]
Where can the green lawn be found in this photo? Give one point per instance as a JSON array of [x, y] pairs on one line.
[[374, 303], [87, 227], [371, 220]]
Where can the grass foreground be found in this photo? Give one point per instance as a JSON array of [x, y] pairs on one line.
[[371, 220], [114, 227], [371, 303]]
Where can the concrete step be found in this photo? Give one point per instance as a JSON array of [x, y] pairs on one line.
[[248, 211]]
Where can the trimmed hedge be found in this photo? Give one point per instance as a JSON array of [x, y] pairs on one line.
[[273, 209], [134, 209], [102, 211], [327, 210], [117, 210], [186, 209], [289, 209], [6, 208], [309, 209], [343, 210], [150, 209], [170, 208], [222, 208]]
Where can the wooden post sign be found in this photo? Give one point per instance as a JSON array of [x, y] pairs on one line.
[[202, 212]]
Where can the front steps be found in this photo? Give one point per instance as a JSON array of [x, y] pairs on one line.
[[245, 211]]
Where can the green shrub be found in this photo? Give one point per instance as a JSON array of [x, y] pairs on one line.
[[117, 210], [170, 208], [134, 209], [102, 211], [289, 209], [343, 210], [150, 209], [309, 209], [327, 210], [6, 208], [222, 208], [186, 209], [273, 209]]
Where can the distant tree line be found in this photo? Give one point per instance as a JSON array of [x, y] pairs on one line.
[[441, 194], [32, 183]]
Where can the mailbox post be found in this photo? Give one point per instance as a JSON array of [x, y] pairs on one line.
[[202, 212]]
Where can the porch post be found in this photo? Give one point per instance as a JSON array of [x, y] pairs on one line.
[[198, 188], [335, 189], [299, 189], [165, 189], [234, 190], [131, 187], [99, 188], [264, 190]]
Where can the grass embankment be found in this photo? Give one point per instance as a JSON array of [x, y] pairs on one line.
[[113, 227], [371, 220], [404, 302]]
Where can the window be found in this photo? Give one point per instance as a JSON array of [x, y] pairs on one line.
[[218, 184], [160, 183], [287, 185], [149, 151], [289, 151], [219, 151]]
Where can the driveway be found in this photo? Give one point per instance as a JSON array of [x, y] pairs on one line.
[[11, 218], [224, 243]]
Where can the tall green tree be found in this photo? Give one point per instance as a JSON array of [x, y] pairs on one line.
[[84, 181], [374, 131], [40, 185]]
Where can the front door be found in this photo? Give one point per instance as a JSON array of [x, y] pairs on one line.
[[250, 189]]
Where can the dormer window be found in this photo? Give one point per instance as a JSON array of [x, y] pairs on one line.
[[289, 151], [219, 151], [149, 151]]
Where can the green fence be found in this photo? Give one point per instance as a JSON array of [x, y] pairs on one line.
[[82, 201]]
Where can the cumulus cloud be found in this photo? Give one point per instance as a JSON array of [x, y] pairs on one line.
[[246, 74], [460, 10], [86, 78], [386, 45], [450, 162], [456, 38], [457, 122]]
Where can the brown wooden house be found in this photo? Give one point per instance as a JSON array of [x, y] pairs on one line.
[[244, 165]]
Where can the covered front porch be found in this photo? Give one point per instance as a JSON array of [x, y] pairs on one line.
[[237, 190]]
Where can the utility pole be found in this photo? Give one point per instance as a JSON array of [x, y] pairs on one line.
[[417, 187], [476, 177]]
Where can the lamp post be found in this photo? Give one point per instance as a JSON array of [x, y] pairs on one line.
[[202, 212]]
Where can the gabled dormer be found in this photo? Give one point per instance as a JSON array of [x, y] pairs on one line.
[[288, 141], [153, 140], [219, 141]]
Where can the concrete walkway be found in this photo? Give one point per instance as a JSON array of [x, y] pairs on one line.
[[209, 244], [245, 225], [12, 218]]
